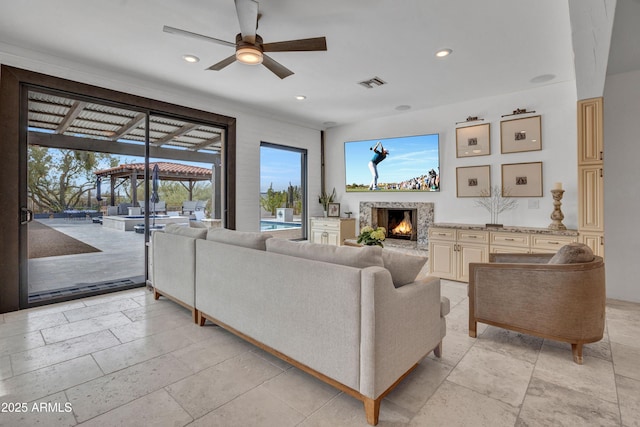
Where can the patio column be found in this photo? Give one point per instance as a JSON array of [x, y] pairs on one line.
[[134, 189]]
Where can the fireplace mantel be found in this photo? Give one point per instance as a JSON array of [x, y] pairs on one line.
[[424, 210]]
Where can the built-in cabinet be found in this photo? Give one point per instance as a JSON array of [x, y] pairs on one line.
[[331, 231], [453, 246], [591, 174], [451, 251]]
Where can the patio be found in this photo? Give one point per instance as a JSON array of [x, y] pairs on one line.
[[121, 258]]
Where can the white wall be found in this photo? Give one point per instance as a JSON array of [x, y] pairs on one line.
[[251, 130], [252, 126], [555, 103], [621, 185]]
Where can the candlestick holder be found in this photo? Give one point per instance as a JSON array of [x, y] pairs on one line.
[[557, 216]]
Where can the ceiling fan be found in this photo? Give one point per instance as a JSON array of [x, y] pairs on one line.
[[249, 47]]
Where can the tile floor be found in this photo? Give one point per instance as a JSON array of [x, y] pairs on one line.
[[125, 359]]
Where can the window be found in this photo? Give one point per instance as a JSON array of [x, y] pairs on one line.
[[283, 193]]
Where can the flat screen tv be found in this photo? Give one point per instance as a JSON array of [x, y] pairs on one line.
[[406, 163]]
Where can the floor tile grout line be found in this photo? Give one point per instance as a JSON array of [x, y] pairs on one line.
[[325, 405]]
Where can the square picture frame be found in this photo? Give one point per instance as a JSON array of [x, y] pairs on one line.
[[522, 179], [473, 140], [333, 210], [520, 135], [473, 181]]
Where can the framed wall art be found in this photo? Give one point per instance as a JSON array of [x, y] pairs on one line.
[[473, 141], [473, 181], [333, 209], [520, 135], [522, 179]]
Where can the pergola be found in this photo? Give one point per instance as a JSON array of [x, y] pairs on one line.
[[187, 175]]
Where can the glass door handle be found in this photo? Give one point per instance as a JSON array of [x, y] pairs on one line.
[[27, 214]]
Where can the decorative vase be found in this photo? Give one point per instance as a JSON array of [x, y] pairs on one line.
[[325, 214]]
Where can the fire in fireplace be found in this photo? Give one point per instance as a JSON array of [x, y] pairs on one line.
[[400, 223]]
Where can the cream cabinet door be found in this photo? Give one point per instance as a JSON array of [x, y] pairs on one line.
[[442, 259], [591, 207], [469, 253], [590, 131], [595, 241]]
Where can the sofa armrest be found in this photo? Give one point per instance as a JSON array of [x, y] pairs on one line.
[[400, 326], [174, 264]]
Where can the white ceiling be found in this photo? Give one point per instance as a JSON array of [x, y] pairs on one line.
[[498, 47]]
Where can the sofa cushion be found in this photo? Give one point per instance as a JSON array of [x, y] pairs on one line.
[[403, 268], [195, 233], [572, 253], [366, 256], [247, 239]]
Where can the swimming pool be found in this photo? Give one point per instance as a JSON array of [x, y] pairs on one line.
[[277, 225]]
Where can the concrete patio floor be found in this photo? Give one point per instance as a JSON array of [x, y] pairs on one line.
[[122, 257]]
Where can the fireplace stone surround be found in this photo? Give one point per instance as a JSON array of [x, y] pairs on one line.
[[369, 216]]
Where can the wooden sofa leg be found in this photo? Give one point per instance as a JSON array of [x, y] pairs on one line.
[[196, 315], [372, 410], [576, 349], [201, 319], [438, 350], [156, 294]]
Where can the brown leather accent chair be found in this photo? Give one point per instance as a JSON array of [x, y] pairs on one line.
[[521, 292]]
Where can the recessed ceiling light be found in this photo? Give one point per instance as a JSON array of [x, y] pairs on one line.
[[301, 97], [403, 107], [191, 58], [443, 52]]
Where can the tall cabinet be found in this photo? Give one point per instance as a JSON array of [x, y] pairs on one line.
[[591, 174]]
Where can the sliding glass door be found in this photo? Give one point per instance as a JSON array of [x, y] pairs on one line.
[[99, 178]]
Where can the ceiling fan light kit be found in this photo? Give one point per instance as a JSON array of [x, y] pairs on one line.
[[249, 55], [249, 47]]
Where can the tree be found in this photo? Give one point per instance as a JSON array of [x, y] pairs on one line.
[[294, 198], [273, 200], [58, 179]]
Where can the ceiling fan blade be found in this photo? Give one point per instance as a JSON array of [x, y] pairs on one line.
[[247, 11], [316, 43], [275, 67], [220, 65], [172, 30]]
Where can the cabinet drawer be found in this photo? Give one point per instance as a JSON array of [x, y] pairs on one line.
[[550, 242], [509, 250], [325, 225], [442, 234], [510, 239], [473, 236]]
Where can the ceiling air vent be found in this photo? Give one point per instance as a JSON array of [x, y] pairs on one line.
[[371, 83]]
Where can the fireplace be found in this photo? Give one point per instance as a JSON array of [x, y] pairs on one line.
[[420, 213], [399, 223]]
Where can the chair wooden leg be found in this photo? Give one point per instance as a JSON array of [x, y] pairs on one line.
[[372, 410], [438, 350], [156, 294], [576, 349], [472, 328]]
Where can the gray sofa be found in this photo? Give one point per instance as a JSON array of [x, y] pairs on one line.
[[348, 325]]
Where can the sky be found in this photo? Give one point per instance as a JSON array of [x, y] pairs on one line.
[[409, 157], [279, 167]]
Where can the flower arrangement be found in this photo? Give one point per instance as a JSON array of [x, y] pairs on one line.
[[370, 236]]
